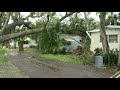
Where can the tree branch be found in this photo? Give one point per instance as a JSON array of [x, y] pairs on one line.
[[66, 15], [6, 23], [28, 32], [14, 24], [19, 34]]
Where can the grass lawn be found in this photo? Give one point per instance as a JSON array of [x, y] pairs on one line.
[[65, 58]]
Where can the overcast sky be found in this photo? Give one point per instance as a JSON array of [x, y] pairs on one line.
[[92, 14]]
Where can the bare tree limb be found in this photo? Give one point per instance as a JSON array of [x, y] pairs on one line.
[[86, 21], [6, 23]]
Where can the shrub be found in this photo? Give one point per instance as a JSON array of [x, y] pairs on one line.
[[109, 59], [98, 51], [87, 57], [62, 51], [112, 58], [48, 41], [3, 55]]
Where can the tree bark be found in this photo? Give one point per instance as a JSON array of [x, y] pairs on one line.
[[13, 25], [15, 41], [105, 44], [86, 21], [20, 43], [19, 34], [86, 38], [6, 23]]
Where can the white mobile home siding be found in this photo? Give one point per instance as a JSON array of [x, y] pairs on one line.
[[97, 43]]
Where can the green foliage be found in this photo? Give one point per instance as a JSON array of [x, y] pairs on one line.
[[99, 51], [3, 55], [112, 18], [87, 57], [110, 59], [62, 51], [88, 42], [93, 24], [65, 58], [64, 42], [49, 41]]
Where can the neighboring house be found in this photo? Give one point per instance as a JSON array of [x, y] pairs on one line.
[[74, 41], [113, 37], [27, 43]]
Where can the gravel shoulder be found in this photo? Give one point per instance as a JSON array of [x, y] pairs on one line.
[[10, 71]]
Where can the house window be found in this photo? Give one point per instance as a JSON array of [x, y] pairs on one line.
[[113, 38]]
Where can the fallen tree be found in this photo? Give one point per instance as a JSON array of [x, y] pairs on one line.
[[23, 33]]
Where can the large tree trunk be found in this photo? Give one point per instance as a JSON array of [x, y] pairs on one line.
[[86, 21], [86, 38], [20, 43], [103, 33], [15, 41]]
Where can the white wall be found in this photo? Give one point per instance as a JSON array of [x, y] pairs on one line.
[[97, 43]]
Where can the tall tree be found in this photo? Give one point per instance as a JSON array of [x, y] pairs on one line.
[[87, 20], [87, 39], [103, 32]]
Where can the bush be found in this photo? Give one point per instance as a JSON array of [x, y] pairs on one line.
[[112, 58], [109, 59], [62, 51], [3, 55], [87, 57], [99, 51]]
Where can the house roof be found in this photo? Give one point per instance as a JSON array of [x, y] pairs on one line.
[[95, 30], [69, 34], [109, 27], [113, 26]]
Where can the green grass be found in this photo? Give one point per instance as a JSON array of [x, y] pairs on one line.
[[65, 58], [3, 56]]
